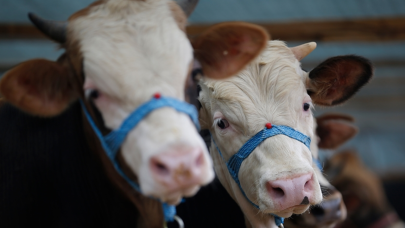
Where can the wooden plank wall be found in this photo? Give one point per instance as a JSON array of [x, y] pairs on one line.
[[373, 29]]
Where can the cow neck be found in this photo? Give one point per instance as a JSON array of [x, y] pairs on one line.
[[113, 140], [235, 162]]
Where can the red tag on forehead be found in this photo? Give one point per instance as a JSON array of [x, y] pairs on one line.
[[268, 125], [156, 95]]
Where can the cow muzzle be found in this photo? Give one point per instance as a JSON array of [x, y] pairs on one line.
[[178, 169], [292, 192]]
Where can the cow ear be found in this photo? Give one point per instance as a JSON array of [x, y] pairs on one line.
[[334, 130], [336, 79], [39, 87], [226, 48]]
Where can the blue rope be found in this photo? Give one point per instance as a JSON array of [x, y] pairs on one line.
[[112, 142], [318, 163], [235, 162]]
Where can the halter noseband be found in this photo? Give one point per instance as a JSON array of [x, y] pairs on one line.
[[112, 141], [235, 162]]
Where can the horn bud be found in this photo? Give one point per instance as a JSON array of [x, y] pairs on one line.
[[303, 50], [56, 30]]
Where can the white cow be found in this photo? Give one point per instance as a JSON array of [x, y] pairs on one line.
[[274, 95]]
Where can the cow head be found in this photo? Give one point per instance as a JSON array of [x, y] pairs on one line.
[[119, 53], [278, 176], [362, 190], [332, 131]]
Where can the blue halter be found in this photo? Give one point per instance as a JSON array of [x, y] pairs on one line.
[[112, 142], [235, 162]]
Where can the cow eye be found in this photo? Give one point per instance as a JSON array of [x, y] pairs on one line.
[[92, 94], [222, 123], [306, 106]]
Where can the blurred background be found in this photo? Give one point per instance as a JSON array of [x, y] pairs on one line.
[[374, 29]]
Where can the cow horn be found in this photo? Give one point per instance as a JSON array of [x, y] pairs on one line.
[[303, 50], [56, 30], [188, 6]]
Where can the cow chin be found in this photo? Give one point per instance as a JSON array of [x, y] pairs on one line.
[[170, 194], [286, 213]]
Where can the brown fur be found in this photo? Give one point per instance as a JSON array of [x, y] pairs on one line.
[[334, 116], [85, 11], [338, 78], [354, 176], [224, 49], [334, 130], [362, 190], [39, 86]]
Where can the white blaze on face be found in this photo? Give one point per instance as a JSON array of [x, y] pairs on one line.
[[131, 50], [269, 90]]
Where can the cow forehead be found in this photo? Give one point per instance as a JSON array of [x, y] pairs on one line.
[[270, 85], [133, 44]]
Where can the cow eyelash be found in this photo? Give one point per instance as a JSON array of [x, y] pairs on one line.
[[221, 123]]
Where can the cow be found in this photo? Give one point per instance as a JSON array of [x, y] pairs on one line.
[[261, 125], [362, 192], [121, 56], [218, 209]]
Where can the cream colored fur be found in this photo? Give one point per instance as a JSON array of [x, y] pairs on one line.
[[270, 89], [133, 49]]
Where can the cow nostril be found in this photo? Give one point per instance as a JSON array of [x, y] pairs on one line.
[[278, 192], [275, 191], [159, 167], [308, 185]]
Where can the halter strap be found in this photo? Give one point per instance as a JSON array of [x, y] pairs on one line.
[[112, 142], [235, 162]]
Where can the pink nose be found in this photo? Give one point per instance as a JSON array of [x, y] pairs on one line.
[[178, 168], [287, 193]]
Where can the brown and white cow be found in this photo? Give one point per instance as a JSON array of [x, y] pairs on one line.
[[363, 193], [118, 53], [278, 176]]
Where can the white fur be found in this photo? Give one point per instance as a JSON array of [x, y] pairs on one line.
[[270, 89], [131, 50]]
